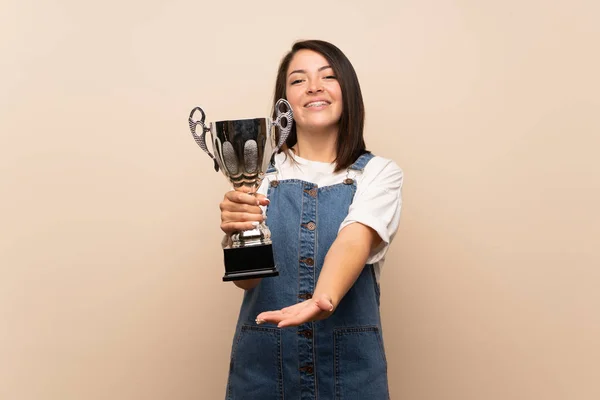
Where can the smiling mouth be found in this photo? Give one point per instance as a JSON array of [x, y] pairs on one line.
[[316, 104]]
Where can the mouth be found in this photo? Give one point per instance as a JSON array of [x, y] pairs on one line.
[[317, 103]]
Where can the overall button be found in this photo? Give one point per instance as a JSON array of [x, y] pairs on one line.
[[274, 184], [305, 296], [311, 226], [308, 261], [307, 333], [312, 192], [308, 369], [348, 181]]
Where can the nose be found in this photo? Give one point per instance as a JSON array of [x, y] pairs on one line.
[[314, 86]]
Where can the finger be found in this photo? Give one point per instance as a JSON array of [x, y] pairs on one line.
[[230, 206], [232, 227], [308, 314], [325, 303], [237, 196], [288, 310], [227, 216], [277, 315], [296, 308], [273, 317], [262, 200]]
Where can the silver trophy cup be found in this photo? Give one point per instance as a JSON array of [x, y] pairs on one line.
[[243, 149]]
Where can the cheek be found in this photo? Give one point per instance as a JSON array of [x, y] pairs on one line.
[[294, 102], [338, 93], [292, 97]]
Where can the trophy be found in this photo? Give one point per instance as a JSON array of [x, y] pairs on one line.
[[243, 150]]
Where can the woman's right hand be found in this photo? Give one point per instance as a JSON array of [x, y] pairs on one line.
[[240, 211]]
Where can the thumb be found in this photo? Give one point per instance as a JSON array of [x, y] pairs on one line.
[[325, 303], [262, 199]]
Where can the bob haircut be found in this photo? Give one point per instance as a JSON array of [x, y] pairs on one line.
[[350, 140]]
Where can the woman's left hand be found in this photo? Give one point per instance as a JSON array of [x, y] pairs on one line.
[[314, 309]]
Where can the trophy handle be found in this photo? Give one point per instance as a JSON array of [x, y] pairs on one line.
[[283, 120], [201, 139]]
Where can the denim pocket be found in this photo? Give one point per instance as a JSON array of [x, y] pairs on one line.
[[360, 364], [255, 370]]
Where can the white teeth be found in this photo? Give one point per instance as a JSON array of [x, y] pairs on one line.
[[317, 104]]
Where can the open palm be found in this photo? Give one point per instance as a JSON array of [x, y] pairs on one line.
[[307, 311]]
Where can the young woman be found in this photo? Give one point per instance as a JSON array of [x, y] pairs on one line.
[[333, 208]]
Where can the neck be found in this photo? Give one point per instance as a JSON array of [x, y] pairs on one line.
[[316, 146]]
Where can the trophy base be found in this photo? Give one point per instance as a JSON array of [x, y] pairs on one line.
[[249, 263]]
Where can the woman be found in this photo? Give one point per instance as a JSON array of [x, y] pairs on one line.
[[332, 208]]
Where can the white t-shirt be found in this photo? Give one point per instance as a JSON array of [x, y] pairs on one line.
[[377, 201]]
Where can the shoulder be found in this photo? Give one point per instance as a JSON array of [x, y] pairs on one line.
[[382, 170], [378, 163]]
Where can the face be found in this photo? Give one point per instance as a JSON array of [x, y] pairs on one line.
[[313, 91]]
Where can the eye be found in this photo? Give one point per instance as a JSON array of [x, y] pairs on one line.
[[330, 77], [296, 81]]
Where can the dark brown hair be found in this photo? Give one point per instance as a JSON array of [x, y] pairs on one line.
[[350, 140]]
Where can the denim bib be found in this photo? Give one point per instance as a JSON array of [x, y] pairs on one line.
[[341, 357]]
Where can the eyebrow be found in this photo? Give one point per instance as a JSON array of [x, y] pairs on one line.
[[302, 71]]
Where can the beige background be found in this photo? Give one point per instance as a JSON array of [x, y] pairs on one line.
[[110, 263]]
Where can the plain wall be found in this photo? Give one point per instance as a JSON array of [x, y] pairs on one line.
[[110, 263]]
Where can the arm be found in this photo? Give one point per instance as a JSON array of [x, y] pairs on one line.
[[345, 260], [343, 264], [363, 237]]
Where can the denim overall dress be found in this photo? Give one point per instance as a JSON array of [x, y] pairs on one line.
[[339, 358]]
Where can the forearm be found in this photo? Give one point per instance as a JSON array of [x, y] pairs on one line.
[[345, 260]]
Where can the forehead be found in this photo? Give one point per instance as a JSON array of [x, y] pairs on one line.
[[307, 60]]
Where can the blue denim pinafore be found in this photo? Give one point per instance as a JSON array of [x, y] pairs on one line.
[[340, 358]]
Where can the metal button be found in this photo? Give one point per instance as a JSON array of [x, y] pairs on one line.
[[305, 296], [310, 226], [348, 181], [309, 261], [308, 369], [307, 333], [274, 183], [311, 192]]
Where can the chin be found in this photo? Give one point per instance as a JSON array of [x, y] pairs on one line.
[[320, 126], [322, 121]]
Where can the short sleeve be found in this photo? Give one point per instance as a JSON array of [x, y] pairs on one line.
[[378, 202]]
